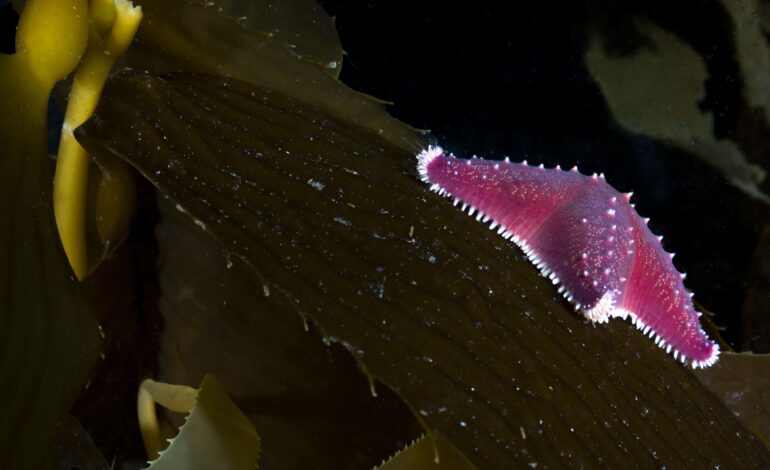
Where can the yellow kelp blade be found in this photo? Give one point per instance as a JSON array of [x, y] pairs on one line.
[[50, 40], [427, 452], [115, 23], [215, 435], [48, 333]]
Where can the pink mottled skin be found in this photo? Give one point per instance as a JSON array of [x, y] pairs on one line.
[[585, 236]]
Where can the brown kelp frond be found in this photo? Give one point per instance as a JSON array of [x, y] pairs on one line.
[[437, 307]]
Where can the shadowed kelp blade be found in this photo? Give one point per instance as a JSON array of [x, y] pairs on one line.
[[310, 403], [742, 381], [187, 35], [433, 304], [48, 334]]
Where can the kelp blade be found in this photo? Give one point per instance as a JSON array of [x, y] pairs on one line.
[[432, 452], [430, 302], [302, 24], [311, 404], [48, 333], [742, 381], [185, 35], [215, 434]]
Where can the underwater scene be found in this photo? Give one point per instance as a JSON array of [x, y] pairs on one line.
[[294, 234]]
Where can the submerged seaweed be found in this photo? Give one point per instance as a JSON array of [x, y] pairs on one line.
[[344, 308], [438, 308]]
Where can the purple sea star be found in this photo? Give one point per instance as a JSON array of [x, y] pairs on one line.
[[586, 237]]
